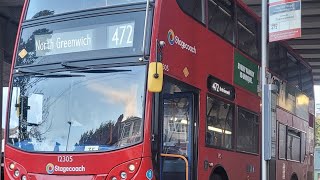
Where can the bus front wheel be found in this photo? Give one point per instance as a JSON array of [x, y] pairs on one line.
[[294, 177], [216, 177]]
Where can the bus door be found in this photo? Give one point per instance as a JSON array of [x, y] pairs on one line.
[[177, 142]]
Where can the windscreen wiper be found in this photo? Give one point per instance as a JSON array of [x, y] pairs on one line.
[[59, 75], [27, 71], [85, 69], [68, 66], [102, 70]]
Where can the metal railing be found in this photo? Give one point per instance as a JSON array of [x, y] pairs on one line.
[[180, 157]]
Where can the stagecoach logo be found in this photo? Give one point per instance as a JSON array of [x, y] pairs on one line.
[[50, 168], [171, 37], [174, 39]]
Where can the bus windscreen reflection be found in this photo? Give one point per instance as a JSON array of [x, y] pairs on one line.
[[91, 112]]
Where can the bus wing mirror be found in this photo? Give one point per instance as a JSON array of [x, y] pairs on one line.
[[155, 77]]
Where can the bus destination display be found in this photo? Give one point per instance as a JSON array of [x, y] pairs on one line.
[[115, 35]]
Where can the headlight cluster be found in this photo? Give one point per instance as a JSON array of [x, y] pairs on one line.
[[17, 171], [125, 171]]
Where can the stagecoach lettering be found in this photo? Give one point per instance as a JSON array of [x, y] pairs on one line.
[[65, 159]]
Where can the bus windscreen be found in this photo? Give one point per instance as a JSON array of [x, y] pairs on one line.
[[43, 8], [77, 111]]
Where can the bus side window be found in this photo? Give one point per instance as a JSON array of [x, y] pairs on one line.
[[220, 18], [247, 34], [194, 8], [219, 123]]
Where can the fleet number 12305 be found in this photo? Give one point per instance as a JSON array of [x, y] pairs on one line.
[[65, 159]]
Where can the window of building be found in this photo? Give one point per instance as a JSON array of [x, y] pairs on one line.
[[219, 123], [247, 131], [282, 141], [194, 8], [220, 18], [293, 145], [247, 34], [303, 146]]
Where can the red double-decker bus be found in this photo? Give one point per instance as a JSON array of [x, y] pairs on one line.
[[139, 89]]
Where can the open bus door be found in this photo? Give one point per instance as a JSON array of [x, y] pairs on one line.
[[177, 142]]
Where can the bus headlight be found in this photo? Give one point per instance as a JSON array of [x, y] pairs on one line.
[[15, 170], [126, 170], [11, 166], [131, 167]]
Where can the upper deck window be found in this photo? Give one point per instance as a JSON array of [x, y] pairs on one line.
[[278, 59], [220, 18], [42, 8], [194, 8], [247, 34], [293, 71]]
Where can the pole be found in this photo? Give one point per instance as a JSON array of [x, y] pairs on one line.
[[264, 26]]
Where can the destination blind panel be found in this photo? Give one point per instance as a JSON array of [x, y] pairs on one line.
[[110, 36], [119, 35]]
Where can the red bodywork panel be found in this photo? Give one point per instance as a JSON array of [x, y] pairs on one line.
[[94, 163], [214, 56], [285, 168], [97, 165]]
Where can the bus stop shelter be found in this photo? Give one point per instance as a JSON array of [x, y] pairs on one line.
[[308, 46]]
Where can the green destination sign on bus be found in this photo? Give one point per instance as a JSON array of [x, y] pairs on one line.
[[245, 73]]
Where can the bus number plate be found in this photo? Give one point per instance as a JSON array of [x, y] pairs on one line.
[[65, 159]]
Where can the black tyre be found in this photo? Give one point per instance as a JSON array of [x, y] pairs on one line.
[[216, 177]]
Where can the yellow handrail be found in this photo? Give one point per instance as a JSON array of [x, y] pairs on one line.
[[181, 157]]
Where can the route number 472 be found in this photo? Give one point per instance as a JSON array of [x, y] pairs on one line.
[[123, 35], [274, 26]]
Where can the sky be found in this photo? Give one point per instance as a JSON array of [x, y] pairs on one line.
[[317, 93]]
